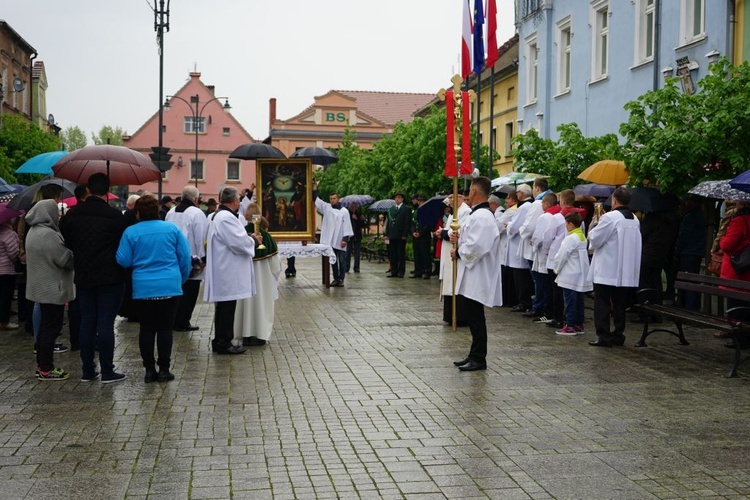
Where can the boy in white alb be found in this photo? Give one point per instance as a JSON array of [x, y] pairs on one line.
[[572, 267]]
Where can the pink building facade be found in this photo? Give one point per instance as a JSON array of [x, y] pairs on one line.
[[196, 108]]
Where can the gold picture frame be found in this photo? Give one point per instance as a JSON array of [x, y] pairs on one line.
[[285, 198]]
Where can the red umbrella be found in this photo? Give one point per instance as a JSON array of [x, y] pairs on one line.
[[122, 165], [72, 201]]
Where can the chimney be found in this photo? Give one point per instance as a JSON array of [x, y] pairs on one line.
[[211, 89], [271, 112]]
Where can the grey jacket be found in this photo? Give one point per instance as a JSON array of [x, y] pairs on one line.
[[49, 262]]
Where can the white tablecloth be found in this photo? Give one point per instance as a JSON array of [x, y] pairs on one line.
[[309, 250]]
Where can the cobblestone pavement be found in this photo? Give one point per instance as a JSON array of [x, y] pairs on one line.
[[356, 396]]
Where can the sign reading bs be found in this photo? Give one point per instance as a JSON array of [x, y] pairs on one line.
[[335, 117]]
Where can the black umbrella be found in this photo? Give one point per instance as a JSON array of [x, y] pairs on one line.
[[25, 198], [257, 151], [431, 211], [319, 156], [645, 199]]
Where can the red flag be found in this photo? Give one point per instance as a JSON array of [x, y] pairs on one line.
[[466, 168], [491, 38], [450, 153], [466, 31]]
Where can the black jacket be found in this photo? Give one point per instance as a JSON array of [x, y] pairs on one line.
[[92, 230]]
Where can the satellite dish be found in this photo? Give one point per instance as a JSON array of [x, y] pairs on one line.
[[51, 119], [18, 85]]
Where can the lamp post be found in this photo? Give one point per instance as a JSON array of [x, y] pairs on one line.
[[161, 24], [196, 110]]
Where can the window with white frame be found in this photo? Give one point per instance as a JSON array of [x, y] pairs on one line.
[[194, 125], [600, 18], [196, 169], [693, 17], [645, 30], [564, 41], [233, 170], [532, 60]]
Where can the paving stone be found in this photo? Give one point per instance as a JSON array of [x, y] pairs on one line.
[[356, 396]]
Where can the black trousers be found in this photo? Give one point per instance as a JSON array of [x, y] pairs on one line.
[[52, 320], [610, 300], [186, 304], [7, 288], [422, 260], [510, 298], [397, 256], [524, 286], [157, 318], [478, 328], [461, 314], [224, 324], [74, 323]]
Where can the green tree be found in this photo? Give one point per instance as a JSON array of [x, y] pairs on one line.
[[19, 141], [108, 135], [678, 140], [73, 138], [563, 160]]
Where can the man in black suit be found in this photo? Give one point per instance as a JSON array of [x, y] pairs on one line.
[[399, 224]]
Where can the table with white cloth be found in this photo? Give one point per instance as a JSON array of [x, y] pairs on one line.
[[311, 250]]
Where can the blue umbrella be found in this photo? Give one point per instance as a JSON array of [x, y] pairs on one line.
[[42, 163], [741, 182], [431, 211]]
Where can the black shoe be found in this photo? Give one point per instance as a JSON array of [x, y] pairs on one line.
[[392, 276], [230, 350], [600, 343], [517, 308], [165, 376], [619, 341], [356, 270], [189, 328], [151, 375], [335, 283], [532, 313], [462, 362], [472, 366], [426, 276], [412, 272], [255, 342], [415, 275]]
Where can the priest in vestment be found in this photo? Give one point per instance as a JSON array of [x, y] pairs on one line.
[[253, 321]]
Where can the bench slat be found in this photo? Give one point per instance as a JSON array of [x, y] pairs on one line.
[[713, 280]]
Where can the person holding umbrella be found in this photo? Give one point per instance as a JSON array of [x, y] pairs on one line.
[[93, 230], [9, 248]]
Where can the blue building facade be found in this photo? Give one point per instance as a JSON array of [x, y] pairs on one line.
[[582, 60]]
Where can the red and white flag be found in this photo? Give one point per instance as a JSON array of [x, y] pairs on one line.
[[491, 37], [466, 32]]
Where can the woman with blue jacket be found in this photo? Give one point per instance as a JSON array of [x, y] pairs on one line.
[[159, 256]]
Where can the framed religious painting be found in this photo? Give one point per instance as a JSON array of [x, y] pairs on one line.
[[284, 193]]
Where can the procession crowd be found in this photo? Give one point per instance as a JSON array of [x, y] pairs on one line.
[[145, 264]]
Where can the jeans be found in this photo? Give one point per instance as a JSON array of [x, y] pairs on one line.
[[573, 307], [157, 317], [339, 268], [542, 293], [352, 248], [99, 306]]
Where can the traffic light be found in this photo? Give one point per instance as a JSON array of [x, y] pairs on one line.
[[161, 158]]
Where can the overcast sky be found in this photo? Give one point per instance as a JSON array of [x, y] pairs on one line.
[[102, 61]]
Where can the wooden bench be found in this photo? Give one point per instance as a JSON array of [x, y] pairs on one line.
[[730, 323]]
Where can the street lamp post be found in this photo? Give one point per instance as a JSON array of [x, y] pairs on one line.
[[196, 111], [161, 24]]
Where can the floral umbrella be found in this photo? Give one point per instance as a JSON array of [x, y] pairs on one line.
[[719, 190]]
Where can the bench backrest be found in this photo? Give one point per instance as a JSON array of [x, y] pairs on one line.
[[701, 283]]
